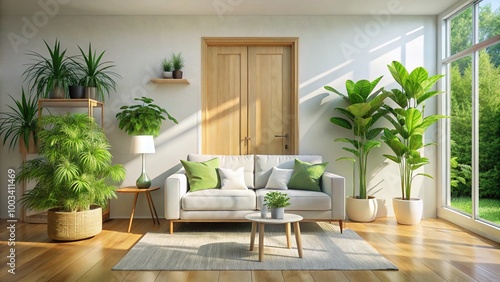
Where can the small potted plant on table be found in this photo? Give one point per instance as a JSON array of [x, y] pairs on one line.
[[277, 202]]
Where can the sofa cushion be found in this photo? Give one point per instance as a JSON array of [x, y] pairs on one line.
[[300, 200], [264, 165], [202, 175], [219, 200], [231, 179], [232, 162], [306, 176], [279, 178]]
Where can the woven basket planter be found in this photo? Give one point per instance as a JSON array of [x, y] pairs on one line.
[[71, 226]]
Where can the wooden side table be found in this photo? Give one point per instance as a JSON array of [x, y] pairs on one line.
[[147, 192], [288, 218]]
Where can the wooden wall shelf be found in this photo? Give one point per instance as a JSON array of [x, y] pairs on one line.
[[169, 81]]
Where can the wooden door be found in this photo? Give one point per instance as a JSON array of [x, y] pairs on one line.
[[225, 111], [269, 107], [249, 99]]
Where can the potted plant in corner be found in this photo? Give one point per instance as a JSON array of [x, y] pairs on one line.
[[276, 202], [167, 68], [363, 110], [96, 75], [72, 174], [178, 64], [406, 139], [20, 125], [50, 77]]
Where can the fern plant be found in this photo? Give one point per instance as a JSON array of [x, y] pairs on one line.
[[74, 167], [143, 119]]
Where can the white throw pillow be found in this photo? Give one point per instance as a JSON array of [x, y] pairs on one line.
[[232, 179], [279, 179]]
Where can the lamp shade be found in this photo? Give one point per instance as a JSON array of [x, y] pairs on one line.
[[143, 144]]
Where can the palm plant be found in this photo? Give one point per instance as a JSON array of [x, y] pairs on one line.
[[21, 123], [364, 109], [74, 167], [407, 138], [96, 73], [50, 76]]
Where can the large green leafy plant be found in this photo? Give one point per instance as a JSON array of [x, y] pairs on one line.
[[74, 167], [21, 122], [406, 139], [47, 75], [363, 110], [142, 119], [94, 72]]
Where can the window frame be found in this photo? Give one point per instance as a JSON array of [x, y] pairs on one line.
[[444, 60]]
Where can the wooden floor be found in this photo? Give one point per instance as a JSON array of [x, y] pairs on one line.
[[434, 250]]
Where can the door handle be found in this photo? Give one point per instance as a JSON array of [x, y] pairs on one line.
[[282, 136]]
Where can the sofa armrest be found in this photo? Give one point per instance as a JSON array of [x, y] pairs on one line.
[[334, 185], [175, 188]]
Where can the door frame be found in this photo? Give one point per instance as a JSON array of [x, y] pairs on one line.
[[293, 42]]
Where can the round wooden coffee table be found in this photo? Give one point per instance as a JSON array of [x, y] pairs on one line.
[[288, 218]]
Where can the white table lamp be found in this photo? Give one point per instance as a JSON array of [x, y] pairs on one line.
[[143, 144]]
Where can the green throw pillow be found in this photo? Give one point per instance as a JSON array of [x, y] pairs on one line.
[[202, 175], [306, 176]]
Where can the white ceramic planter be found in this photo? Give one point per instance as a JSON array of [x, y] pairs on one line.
[[408, 212], [167, 74], [361, 210]]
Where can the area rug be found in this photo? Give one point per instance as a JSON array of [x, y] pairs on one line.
[[225, 246]]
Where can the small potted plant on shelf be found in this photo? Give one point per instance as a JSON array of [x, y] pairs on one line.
[[406, 139], [51, 76], [178, 64], [276, 202], [20, 125], [167, 68], [95, 75], [363, 110], [72, 173]]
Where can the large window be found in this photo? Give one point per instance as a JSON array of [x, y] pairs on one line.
[[472, 64]]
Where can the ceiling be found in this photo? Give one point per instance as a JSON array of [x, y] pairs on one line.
[[227, 7]]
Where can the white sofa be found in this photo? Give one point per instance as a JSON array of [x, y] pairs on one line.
[[218, 205]]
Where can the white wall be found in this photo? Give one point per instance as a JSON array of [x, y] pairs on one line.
[[331, 49]]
